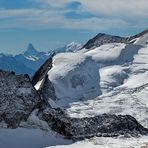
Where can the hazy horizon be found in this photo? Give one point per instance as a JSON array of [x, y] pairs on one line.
[[49, 25]]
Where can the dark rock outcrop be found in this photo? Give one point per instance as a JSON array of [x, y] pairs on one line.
[[17, 98], [46, 90], [107, 125], [102, 39], [41, 73]]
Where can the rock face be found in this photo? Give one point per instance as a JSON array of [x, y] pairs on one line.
[[101, 125], [17, 98], [41, 73], [46, 88], [102, 39]]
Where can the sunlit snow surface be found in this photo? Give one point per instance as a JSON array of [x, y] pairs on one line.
[[74, 76], [108, 52]]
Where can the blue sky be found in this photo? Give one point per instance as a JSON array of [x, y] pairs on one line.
[[50, 24]]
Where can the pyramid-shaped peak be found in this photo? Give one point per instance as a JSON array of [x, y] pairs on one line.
[[30, 50]]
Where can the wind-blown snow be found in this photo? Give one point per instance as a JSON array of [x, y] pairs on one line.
[[108, 52], [112, 76], [136, 80]]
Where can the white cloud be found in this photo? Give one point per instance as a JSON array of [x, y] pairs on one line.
[[117, 8], [108, 7], [36, 18], [108, 14]]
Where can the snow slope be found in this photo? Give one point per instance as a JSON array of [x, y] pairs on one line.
[[107, 52], [114, 54], [71, 47], [79, 73], [101, 142], [75, 73], [116, 70]]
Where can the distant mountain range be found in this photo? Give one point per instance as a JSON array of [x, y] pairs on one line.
[[31, 59]]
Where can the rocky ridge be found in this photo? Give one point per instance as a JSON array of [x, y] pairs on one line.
[[18, 98]]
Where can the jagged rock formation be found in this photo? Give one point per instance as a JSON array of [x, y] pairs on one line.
[[102, 125], [17, 98]]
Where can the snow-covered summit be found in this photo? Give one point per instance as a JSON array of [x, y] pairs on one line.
[[73, 47]]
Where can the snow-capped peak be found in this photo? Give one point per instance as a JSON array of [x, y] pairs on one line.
[[73, 46], [30, 50]]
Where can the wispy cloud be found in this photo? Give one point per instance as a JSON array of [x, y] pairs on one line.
[[103, 14]]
